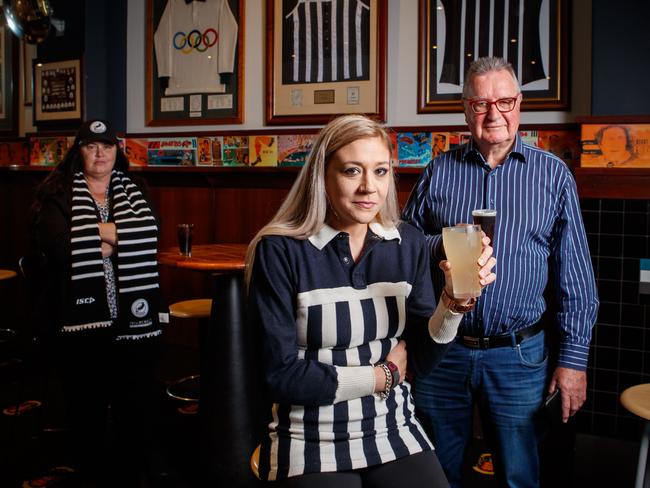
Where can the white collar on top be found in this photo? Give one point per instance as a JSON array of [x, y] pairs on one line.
[[326, 233]]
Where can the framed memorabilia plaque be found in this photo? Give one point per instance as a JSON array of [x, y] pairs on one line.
[[531, 35], [615, 145], [57, 91], [194, 62], [323, 59], [8, 76]]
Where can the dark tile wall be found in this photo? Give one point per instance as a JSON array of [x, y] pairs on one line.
[[618, 234]]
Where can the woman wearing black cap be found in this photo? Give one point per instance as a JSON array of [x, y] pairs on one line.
[[99, 302]]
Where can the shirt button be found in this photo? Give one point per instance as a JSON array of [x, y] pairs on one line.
[[346, 260]]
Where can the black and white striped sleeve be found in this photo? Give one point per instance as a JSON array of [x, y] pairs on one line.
[[291, 380]]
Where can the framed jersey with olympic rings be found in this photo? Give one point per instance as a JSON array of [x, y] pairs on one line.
[[194, 62], [325, 58]]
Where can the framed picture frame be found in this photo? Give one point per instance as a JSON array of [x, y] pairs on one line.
[[9, 62], [213, 54], [57, 92], [321, 63], [535, 43], [27, 72]]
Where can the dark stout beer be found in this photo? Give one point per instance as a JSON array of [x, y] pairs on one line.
[[486, 218], [185, 239]]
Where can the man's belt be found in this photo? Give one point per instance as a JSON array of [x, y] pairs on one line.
[[501, 340]]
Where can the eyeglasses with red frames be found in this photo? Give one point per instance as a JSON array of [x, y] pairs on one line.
[[482, 106]]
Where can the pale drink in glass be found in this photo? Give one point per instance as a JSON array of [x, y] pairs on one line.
[[463, 248]]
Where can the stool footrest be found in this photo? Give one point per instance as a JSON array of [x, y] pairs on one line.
[[185, 389]]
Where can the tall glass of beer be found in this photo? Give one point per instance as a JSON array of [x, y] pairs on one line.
[[463, 248], [486, 218], [185, 238]]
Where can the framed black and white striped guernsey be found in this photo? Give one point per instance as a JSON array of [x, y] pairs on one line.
[[530, 34], [325, 58]]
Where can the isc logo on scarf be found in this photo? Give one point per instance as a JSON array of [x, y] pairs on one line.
[[140, 308], [85, 301]]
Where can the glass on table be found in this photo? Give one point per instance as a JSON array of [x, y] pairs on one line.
[[185, 238]]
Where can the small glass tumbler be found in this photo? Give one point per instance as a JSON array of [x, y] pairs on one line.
[[185, 238]]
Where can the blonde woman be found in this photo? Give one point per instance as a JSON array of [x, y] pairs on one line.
[[339, 291]]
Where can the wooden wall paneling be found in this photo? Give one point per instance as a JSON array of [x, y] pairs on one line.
[[406, 180], [17, 192], [186, 199], [182, 205], [245, 201]]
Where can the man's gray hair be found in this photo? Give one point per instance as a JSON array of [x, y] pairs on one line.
[[486, 65]]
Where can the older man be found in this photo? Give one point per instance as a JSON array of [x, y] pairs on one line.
[[499, 358]]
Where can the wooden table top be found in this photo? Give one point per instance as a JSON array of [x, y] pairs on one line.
[[637, 400], [5, 274], [206, 257]]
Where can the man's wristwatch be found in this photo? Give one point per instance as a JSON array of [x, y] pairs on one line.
[[452, 304]]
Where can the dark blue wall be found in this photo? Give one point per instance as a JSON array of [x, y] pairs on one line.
[[105, 61], [620, 57], [95, 32]]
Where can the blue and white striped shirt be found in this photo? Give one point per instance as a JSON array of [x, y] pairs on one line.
[[322, 318], [538, 215]]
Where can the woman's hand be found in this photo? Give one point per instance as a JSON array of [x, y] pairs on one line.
[[398, 356], [107, 250], [108, 233], [485, 262]]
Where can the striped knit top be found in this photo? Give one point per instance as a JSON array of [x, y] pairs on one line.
[[538, 217], [324, 321]]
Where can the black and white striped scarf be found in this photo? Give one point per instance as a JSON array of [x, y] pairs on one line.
[[138, 291]]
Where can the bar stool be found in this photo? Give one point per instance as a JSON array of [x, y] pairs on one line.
[[6, 274], [255, 462], [186, 389], [636, 399], [11, 368], [10, 362]]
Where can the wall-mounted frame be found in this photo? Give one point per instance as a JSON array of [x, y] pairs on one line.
[[27, 76], [176, 45], [57, 92], [319, 65], [8, 75], [452, 34]]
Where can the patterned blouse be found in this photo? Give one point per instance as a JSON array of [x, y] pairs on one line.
[[109, 272]]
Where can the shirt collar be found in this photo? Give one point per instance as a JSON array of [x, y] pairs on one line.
[[326, 233], [473, 154]]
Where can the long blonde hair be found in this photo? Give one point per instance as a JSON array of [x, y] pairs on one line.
[[304, 210]]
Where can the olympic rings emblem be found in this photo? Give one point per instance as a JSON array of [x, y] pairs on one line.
[[195, 40]]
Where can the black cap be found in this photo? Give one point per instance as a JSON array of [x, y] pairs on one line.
[[95, 131]]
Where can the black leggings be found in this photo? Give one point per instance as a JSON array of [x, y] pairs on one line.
[[415, 471]]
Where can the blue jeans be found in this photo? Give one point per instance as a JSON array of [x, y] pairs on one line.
[[508, 383]]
